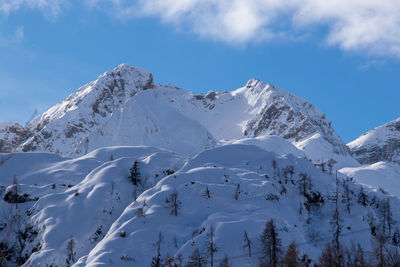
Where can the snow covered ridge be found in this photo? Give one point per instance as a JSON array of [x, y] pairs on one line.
[[124, 107], [379, 144], [88, 211]]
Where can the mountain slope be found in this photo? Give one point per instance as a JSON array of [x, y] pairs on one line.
[[11, 136], [125, 107], [379, 144], [244, 192]]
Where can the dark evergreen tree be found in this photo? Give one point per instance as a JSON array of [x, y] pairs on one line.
[[336, 221], [271, 245], [135, 175], [304, 184]]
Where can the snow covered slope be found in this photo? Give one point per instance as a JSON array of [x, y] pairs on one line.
[[379, 144], [79, 197], [125, 107], [232, 189], [101, 113]]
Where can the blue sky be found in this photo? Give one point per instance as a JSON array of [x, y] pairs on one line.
[[344, 59]]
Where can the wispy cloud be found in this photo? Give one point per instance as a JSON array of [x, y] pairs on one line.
[[50, 7], [365, 26]]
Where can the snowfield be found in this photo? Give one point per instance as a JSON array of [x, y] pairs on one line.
[[126, 172]]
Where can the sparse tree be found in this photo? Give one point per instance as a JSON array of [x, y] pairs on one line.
[[355, 256], [225, 262], [211, 247], [291, 257], [304, 184], [179, 260], [207, 193], [237, 191], [331, 257], [173, 203], [247, 243], [336, 220], [271, 245], [362, 197], [275, 166], [70, 260], [346, 198], [196, 260]]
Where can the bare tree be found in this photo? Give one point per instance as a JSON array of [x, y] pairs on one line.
[[173, 203], [336, 219], [211, 247], [237, 191], [346, 196], [247, 243], [70, 260], [196, 260], [225, 262]]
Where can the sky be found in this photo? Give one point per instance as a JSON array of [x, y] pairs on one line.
[[342, 55]]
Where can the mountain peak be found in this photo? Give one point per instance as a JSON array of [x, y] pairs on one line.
[[379, 144]]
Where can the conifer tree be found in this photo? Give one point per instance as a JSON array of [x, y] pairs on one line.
[[135, 175], [291, 257], [271, 245]]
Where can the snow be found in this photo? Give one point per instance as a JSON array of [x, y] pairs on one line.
[[79, 154], [383, 175]]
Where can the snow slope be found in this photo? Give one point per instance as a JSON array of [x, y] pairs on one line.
[[385, 175], [78, 197], [379, 144], [124, 107], [264, 194]]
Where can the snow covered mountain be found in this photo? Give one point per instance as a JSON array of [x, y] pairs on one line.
[[379, 144], [124, 107], [124, 172]]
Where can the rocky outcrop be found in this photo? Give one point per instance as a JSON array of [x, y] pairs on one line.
[[379, 144], [11, 136]]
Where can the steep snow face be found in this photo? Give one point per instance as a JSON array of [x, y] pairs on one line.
[[379, 144], [64, 128], [11, 135], [117, 109], [232, 189]]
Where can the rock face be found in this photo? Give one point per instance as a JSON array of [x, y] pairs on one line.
[[379, 144], [124, 107], [11, 136]]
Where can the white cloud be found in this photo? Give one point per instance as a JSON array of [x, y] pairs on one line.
[[366, 26]]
